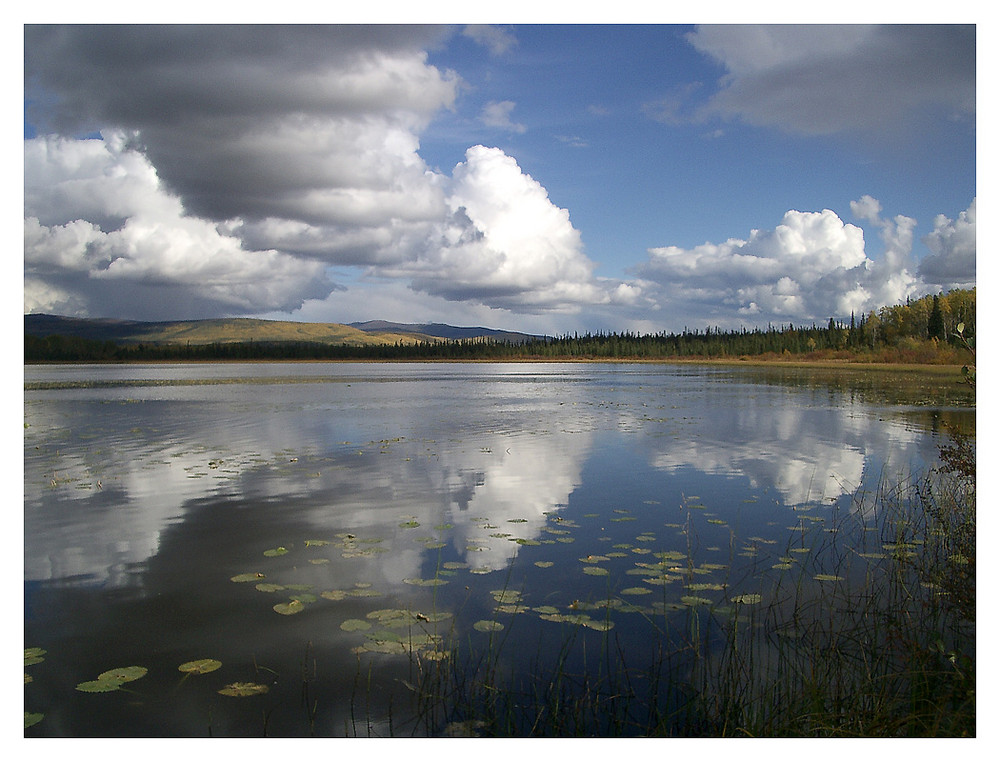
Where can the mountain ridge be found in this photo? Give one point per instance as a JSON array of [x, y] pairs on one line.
[[228, 330]]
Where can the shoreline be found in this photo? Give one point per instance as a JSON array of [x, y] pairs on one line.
[[819, 364]]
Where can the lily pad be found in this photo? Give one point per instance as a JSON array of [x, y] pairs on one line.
[[827, 577], [316, 543], [485, 625], [279, 551], [747, 598], [290, 607], [505, 596], [244, 689], [425, 582], [694, 600], [99, 686], [33, 656], [355, 625], [413, 523], [32, 718], [544, 564], [636, 591], [200, 666], [248, 577], [595, 571], [122, 674], [269, 587]]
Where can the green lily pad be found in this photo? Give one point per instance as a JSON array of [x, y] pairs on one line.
[[411, 524], [316, 543], [636, 591], [747, 598], [601, 625], [122, 674], [694, 600], [290, 607], [269, 587], [99, 686], [485, 625], [505, 596], [243, 689], [546, 610], [248, 577], [595, 571], [544, 564], [200, 666], [334, 595], [425, 582], [32, 718], [827, 577], [355, 625], [33, 656], [279, 551]]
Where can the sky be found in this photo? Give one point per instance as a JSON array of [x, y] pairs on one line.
[[544, 178]]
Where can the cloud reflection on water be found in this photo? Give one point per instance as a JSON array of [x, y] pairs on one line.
[[485, 455]]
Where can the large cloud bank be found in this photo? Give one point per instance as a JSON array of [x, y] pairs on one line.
[[827, 78], [811, 266], [191, 171], [272, 157]]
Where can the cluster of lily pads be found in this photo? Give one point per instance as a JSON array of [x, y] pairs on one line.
[[32, 656], [115, 679], [408, 631]]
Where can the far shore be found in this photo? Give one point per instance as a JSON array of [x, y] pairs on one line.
[[826, 364]]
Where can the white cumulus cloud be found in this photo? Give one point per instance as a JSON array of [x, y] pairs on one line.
[[810, 266], [505, 244], [99, 227], [952, 262]]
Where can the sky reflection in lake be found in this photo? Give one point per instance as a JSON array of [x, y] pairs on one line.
[[160, 483]]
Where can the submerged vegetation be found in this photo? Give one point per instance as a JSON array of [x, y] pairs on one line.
[[921, 331]]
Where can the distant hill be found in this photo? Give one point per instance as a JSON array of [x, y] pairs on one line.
[[442, 331], [226, 330]]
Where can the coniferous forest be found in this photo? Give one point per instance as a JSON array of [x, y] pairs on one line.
[[924, 331]]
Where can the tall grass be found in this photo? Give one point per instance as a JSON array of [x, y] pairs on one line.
[[873, 634]]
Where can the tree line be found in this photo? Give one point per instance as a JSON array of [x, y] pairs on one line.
[[921, 331]]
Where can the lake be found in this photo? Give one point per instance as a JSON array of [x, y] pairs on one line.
[[326, 531]]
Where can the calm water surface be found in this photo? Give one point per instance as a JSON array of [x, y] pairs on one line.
[[463, 493]]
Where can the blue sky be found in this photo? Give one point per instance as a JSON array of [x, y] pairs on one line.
[[546, 178]]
